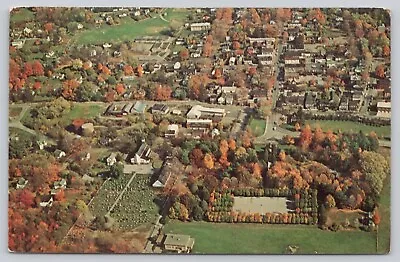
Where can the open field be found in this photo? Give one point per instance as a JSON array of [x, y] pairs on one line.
[[130, 29], [260, 204], [85, 111], [257, 126], [348, 126], [22, 15], [224, 238]]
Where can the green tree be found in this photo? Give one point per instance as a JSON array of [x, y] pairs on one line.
[[375, 167], [117, 170]]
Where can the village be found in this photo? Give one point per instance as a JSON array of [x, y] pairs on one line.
[[131, 142]]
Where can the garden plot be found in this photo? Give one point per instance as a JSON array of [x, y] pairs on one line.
[[260, 205], [107, 195], [136, 206]]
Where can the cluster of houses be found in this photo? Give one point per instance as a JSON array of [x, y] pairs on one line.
[[304, 73]]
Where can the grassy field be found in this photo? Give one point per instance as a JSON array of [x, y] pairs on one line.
[[85, 111], [257, 126], [383, 131], [130, 29], [21, 15], [213, 238]]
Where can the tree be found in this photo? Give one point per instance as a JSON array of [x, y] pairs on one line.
[[207, 49], [162, 93], [37, 68], [196, 156], [26, 198], [305, 137], [210, 183], [232, 144], [117, 170], [386, 51], [184, 54], [375, 168], [139, 70], [319, 136], [376, 217], [208, 161], [128, 70], [69, 87], [330, 201], [380, 71]]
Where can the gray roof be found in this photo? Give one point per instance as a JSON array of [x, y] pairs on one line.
[[178, 240]]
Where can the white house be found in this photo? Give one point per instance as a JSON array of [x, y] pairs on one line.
[[384, 109], [142, 155], [112, 159], [47, 201], [172, 130]]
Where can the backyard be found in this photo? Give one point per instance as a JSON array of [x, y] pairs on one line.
[[349, 126], [257, 126], [131, 29]]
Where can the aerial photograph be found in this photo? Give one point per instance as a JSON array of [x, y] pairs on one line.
[[199, 130]]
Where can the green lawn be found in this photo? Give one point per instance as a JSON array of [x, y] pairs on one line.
[[85, 111], [257, 126], [344, 126], [130, 29], [384, 227], [213, 238], [21, 15]]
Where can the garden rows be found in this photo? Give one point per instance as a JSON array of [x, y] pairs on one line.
[[107, 195], [136, 205]]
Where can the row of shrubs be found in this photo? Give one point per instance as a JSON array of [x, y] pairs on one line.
[[268, 192], [267, 218], [348, 117]]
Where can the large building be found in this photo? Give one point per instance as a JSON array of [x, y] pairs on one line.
[[384, 109], [195, 27], [201, 112]]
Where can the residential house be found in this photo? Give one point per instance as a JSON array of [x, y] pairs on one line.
[[46, 201], [139, 107], [112, 159], [41, 144], [59, 153], [142, 156], [61, 184], [160, 109], [384, 109], [18, 44], [172, 130], [22, 182], [178, 243], [165, 173]]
